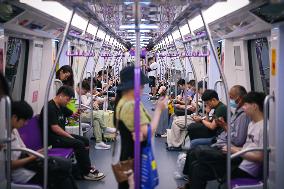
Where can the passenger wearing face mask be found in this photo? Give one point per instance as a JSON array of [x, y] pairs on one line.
[[239, 127]]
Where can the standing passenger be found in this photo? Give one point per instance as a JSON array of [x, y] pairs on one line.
[[152, 75], [124, 112]]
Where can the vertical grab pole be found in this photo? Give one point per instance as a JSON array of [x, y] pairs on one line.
[[194, 73], [227, 99], [137, 97], [45, 108], [108, 63], [175, 71], [203, 83], [92, 79], [265, 138], [183, 67], [9, 130], [82, 75]]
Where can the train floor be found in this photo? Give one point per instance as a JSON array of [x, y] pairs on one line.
[[166, 162]]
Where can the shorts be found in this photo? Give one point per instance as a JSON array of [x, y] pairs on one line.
[[152, 82]]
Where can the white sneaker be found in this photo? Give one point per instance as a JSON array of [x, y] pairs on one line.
[[102, 146], [94, 176], [110, 130], [164, 135]]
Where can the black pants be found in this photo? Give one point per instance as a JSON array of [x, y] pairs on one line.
[[59, 173], [198, 130], [206, 163], [80, 146], [152, 82], [123, 185]]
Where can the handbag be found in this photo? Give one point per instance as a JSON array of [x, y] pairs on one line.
[[121, 168], [149, 173]]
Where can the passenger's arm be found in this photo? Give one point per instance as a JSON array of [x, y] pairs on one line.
[[59, 131], [161, 105], [210, 125], [254, 156], [22, 162]]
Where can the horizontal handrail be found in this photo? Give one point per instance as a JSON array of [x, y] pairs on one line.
[[29, 151], [245, 151]]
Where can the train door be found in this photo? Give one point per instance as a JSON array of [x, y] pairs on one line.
[[16, 66], [259, 64]]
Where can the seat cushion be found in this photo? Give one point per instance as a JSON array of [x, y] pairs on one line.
[[245, 182], [60, 152]]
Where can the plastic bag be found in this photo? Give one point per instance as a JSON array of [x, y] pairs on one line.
[[180, 165]]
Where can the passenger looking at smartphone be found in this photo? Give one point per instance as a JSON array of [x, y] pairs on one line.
[[239, 126], [98, 116], [201, 168], [206, 127]]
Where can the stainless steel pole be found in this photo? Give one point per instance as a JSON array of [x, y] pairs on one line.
[[92, 79], [45, 108], [82, 76], [8, 112], [227, 99], [265, 138], [178, 55], [194, 73]]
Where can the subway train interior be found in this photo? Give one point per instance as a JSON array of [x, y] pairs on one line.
[[197, 81]]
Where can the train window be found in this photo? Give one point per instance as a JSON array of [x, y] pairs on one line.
[[8, 12], [238, 58], [259, 64], [270, 12], [16, 66]]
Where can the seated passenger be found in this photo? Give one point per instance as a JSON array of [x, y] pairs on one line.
[[65, 74], [178, 131], [204, 127], [25, 167], [98, 116], [185, 93], [239, 125], [58, 137], [239, 122], [249, 164]]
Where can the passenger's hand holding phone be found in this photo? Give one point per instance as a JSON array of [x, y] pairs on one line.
[[221, 122], [77, 114], [234, 149], [196, 118], [162, 103]]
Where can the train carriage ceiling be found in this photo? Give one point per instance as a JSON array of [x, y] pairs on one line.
[[158, 17]]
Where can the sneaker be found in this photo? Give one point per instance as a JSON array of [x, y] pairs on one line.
[[110, 130], [102, 146], [164, 135], [94, 175]]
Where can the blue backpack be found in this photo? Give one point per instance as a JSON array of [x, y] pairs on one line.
[[149, 173]]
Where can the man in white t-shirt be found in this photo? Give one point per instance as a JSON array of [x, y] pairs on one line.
[[152, 74], [252, 161]]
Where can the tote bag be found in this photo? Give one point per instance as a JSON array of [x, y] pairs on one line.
[[149, 173]]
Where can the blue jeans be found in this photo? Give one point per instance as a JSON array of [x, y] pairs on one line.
[[200, 141]]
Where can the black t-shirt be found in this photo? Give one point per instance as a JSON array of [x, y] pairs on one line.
[[99, 84], [56, 116], [220, 111]]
